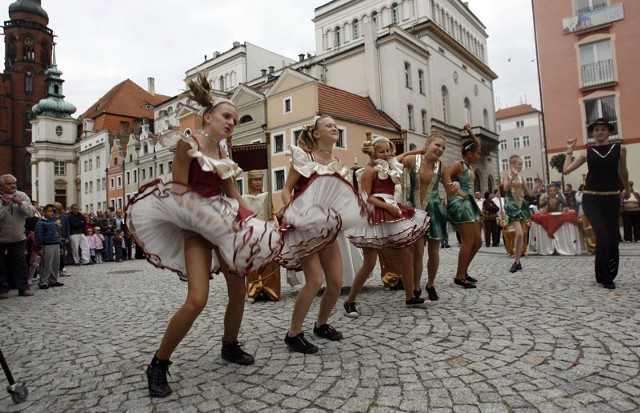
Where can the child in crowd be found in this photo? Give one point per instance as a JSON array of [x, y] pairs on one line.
[[392, 225], [118, 245], [48, 245]]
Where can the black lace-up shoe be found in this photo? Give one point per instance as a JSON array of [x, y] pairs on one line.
[[233, 352], [300, 344], [431, 292], [350, 310], [328, 332], [157, 377]]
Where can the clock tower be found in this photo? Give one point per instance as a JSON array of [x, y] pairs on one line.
[[28, 44]]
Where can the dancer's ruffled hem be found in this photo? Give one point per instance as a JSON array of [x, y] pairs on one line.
[[162, 215], [395, 234], [316, 215]]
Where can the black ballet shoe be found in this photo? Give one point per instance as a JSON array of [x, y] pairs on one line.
[[519, 267], [464, 283], [470, 278], [514, 267]]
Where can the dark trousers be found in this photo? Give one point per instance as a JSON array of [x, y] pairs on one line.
[[13, 265], [631, 225], [119, 255], [128, 248], [603, 213], [107, 252], [491, 232]]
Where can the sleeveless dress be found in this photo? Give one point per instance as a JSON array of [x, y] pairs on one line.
[[516, 208], [384, 230], [431, 201], [324, 203], [162, 214], [459, 210]]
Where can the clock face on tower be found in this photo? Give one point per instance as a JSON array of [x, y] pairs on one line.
[[59, 130]]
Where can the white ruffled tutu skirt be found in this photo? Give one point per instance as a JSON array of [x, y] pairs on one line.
[[394, 233], [316, 215], [163, 214]]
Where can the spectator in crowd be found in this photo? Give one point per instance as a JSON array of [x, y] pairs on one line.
[[490, 213], [108, 227], [49, 244], [570, 197], [631, 216], [551, 201], [118, 245], [15, 209], [62, 220], [77, 239]]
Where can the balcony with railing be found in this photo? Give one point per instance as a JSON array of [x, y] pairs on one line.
[[597, 73], [589, 18]]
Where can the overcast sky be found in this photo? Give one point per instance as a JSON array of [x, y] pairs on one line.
[[100, 44]]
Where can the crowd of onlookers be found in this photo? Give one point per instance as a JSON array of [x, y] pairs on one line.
[[37, 243], [553, 199]]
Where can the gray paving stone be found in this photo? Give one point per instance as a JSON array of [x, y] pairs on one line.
[[547, 339]]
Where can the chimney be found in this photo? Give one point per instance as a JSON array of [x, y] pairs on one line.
[[151, 88], [271, 69], [215, 54], [236, 44], [301, 57], [264, 72]]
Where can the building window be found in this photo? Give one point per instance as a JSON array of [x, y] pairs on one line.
[[516, 142], [86, 165], [498, 128], [287, 105], [355, 29], [527, 162], [503, 144], [28, 82], [91, 187], [127, 178], [278, 179], [119, 182], [407, 74], [445, 104], [341, 140], [586, 6], [240, 186], [374, 19], [98, 161], [246, 119], [221, 82], [467, 111], [529, 182], [336, 38], [526, 142], [596, 63], [170, 167], [520, 124], [161, 171], [86, 187], [278, 143], [504, 165], [59, 168], [423, 118], [395, 13], [90, 164], [485, 116], [143, 174], [98, 185], [112, 183], [410, 117], [421, 81], [104, 183], [135, 176], [27, 118], [604, 107]]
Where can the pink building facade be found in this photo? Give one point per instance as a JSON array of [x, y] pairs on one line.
[[588, 62]]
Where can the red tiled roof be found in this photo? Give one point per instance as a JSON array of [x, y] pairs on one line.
[[348, 106], [515, 111], [126, 98]]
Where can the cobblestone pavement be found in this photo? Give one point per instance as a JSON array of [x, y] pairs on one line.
[[546, 339]]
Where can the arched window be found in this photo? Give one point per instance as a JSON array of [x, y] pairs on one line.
[[478, 181], [336, 38], [395, 13], [246, 119], [445, 104], [355, 29], [425, 125], [467, 111], [485, 116], [374, 19], [27, 118], [410, 117], [221, 82], [28, 82], [407, 74]]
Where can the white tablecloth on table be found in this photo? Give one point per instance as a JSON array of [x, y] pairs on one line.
[[567, 240]]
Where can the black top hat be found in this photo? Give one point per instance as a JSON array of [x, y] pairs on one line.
[[600, 121]]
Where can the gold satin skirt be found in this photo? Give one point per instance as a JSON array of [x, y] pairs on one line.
[[390, 268], [265, 284], [509, 237]]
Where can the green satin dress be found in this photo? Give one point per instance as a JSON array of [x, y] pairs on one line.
[[463, 211]]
